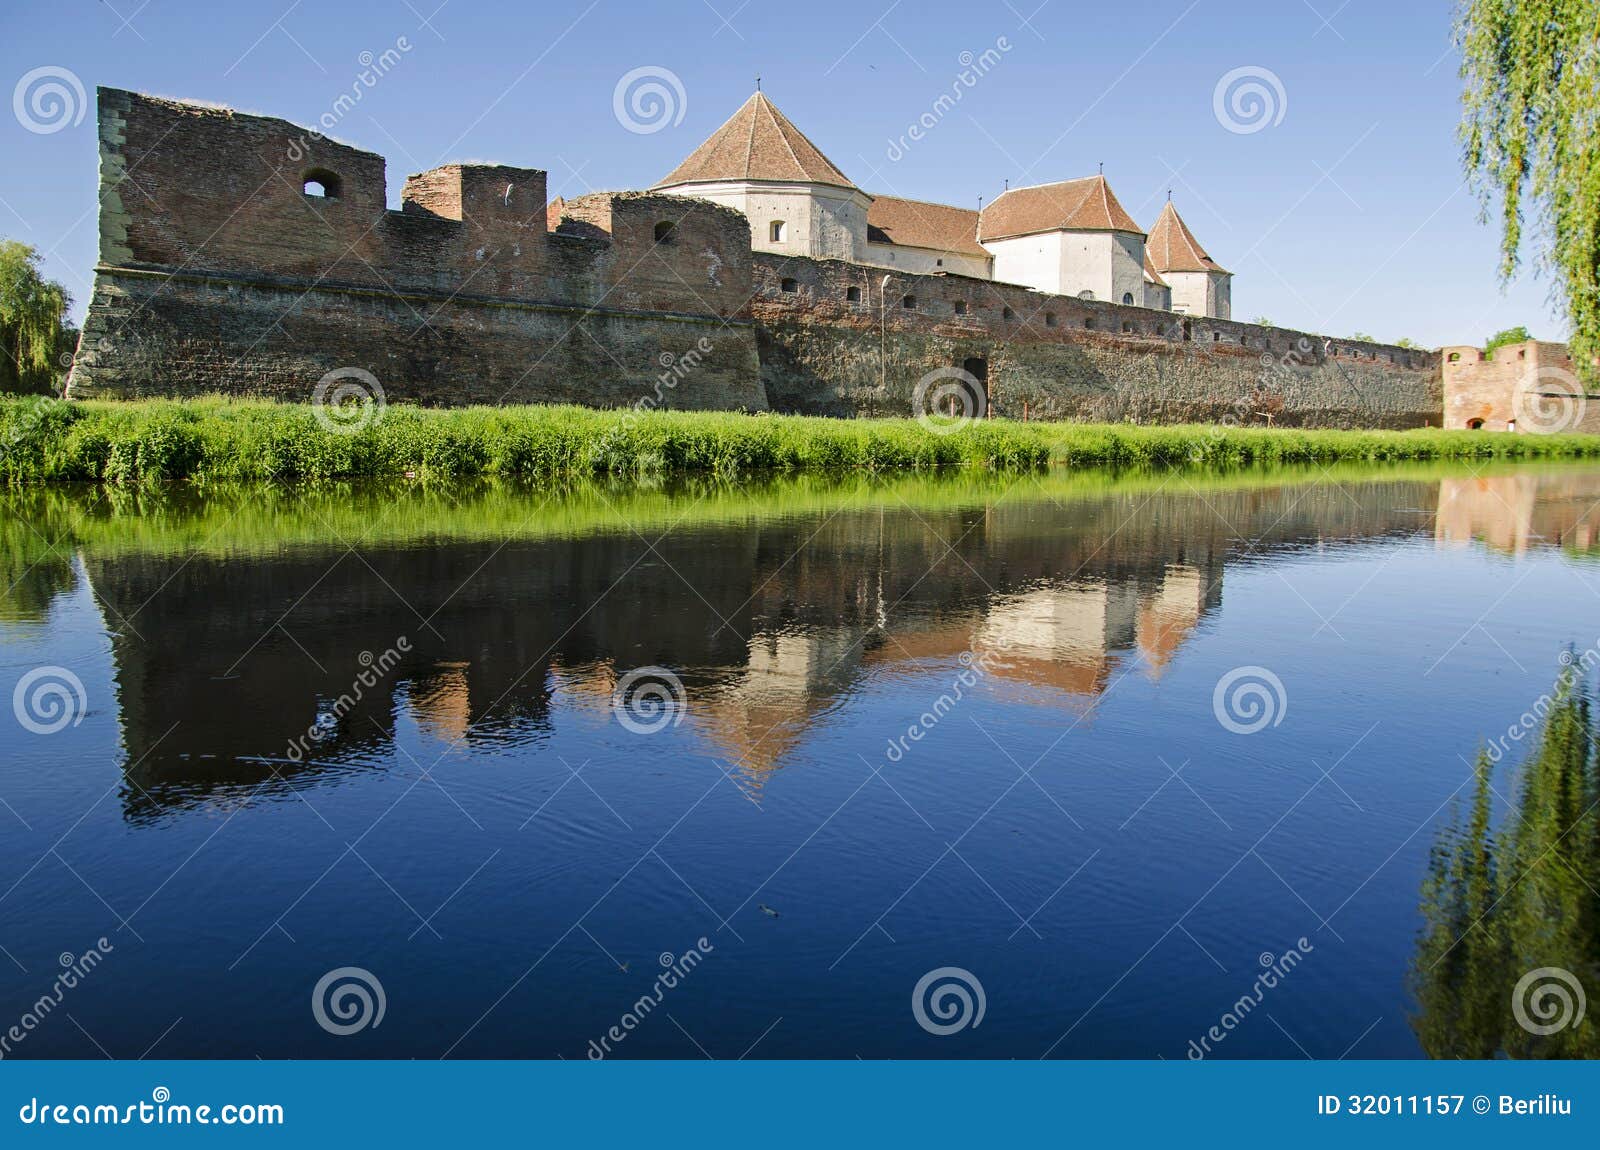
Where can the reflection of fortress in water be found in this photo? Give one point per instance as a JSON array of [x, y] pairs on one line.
[[769, 624]]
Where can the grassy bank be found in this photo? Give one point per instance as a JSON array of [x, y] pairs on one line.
[[214, 440]]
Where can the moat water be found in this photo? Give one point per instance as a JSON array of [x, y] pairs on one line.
[[1109, 748]]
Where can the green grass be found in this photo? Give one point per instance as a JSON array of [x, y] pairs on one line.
[[221, 440]]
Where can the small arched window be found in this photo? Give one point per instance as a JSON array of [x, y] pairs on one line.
[[961, 307], [1049, 319], [1007, 313], [1455, 356], [1474, 425], [909, 302], [789, 285], [852, 294], [321, 184], [776, 230], [1127, 297], [666, 232]]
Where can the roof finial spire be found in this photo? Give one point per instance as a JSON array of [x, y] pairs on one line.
[[1102, 167], [1169, 195], [758, 83], [1008, 183]]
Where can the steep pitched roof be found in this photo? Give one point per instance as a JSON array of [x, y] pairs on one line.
[[918, 224], [1171, 246], [1151, 276], [1085, 204], [757, 143]]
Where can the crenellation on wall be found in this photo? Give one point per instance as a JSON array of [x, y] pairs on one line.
[[219, 273]]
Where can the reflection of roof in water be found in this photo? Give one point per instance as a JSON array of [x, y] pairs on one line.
[[788, 618]]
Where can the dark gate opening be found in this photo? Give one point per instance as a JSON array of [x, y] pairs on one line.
[[978, 368]]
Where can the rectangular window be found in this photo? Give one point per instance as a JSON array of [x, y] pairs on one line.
[[775, 231]]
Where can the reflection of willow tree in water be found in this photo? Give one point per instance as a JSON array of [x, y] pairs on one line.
[[1499, 902]]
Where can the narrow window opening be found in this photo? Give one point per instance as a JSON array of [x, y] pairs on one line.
[[1049, 319], [1007, 313], [789, 285], [961, 307], [909, 302], [666, 232], [321, 184], [775, 231], [852, 294], [1127, 297]]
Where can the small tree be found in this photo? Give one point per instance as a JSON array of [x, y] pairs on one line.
[[1262, 321], [1502, 338], [1406, 341], [31, 311]]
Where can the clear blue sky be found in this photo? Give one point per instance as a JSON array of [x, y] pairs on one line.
[[1349, 213]]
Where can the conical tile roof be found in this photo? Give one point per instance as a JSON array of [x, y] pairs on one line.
[[1171, 246], [757, 143]]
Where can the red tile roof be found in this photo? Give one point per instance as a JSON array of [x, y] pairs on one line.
[[757, 143], [1085, 204], [1171, 246], [1150, 274], [919, 224]]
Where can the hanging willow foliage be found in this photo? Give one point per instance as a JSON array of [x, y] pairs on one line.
[[31, 308], [1531, 134]]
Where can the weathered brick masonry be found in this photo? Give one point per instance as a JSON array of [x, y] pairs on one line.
[[828, 349], [219, 274]]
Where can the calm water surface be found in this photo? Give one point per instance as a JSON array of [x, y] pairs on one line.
[[866, 732]]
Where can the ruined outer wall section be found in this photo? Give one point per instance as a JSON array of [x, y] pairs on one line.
[[218, 274], [1534, 383], [1064, 358]]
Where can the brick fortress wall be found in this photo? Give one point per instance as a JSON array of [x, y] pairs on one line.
[[1534, 383], [835, 340], [218, 273]]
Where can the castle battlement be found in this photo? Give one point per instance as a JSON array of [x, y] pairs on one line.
[[245, 254]]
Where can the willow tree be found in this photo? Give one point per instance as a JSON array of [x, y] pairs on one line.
[[31, 309], [1531, 134]]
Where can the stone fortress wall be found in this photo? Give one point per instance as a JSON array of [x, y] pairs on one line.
[[218, 273]]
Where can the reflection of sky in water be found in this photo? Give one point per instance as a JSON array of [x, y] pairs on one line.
[[1072, 824]]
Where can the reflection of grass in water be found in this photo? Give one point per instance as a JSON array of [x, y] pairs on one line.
[[260, 518], [1502, 900], [215, 439]]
